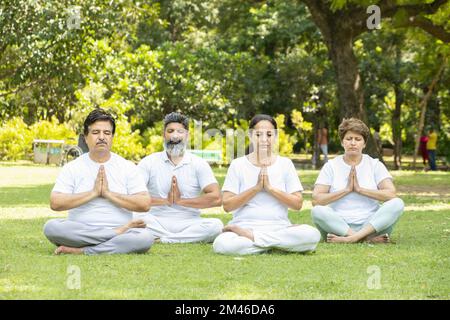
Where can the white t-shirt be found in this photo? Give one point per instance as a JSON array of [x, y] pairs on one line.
[[193, 175], [354, 208], [79, 176], [263, 208]]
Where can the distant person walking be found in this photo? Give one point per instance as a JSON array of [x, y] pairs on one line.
[[322, 140], [431, 148], [423, 149]]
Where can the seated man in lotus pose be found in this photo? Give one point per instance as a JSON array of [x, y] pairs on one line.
[[100, 189], [180, 184], [259, 188], [348, 190]]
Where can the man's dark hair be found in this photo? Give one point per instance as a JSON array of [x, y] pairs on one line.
[[176, 117], [99, 115]]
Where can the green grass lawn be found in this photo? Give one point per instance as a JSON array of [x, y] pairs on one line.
[[417, 266]]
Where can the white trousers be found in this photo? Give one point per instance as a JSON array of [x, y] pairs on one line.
[[172, 229], [300, 238]]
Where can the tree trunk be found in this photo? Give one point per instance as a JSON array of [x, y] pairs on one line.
[[316, 150], [349, 84], [339, 32], [396, 126]]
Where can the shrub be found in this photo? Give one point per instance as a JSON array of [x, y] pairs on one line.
[[15, 140]]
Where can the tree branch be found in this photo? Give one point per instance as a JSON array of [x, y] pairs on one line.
[[389, 8], [321, 14], [23, 87], [427, 25]]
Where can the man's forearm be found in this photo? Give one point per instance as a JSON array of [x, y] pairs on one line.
[[160, 202], [207, 200], [139, 202], [66, 201]]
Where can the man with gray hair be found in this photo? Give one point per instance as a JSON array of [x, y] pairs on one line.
[[180, 184]]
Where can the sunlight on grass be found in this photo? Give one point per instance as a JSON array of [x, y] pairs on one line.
[[30, 213], [426, 207], [9, 286], [27, 175]]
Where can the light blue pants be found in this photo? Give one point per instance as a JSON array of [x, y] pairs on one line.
[[97, 240], [383, 221]]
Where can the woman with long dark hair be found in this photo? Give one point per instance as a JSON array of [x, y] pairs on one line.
[[259, 188]]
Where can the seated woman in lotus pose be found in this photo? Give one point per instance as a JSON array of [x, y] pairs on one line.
[[348, 190], [259, 188]]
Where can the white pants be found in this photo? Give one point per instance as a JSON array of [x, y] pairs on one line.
[[299, 238], [172, 229]]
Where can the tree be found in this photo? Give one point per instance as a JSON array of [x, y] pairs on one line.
[[342, 21]]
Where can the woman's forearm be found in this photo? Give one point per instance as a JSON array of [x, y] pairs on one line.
[[237, 201], [323, 198], [292, 201], [380, 195]]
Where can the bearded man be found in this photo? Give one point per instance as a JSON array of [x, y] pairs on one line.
[[180, 184]]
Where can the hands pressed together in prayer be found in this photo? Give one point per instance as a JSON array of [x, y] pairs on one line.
[[353, 185], [263, 181], [174, 195], [101, 188]]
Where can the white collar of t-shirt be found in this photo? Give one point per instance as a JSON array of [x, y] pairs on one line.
[[98, 164], [273, 164], [187, 158], [364, 158]]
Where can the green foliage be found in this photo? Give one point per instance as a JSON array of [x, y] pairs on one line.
[[153, 138], [15, 139], [286, 141], [217, 61], [53, 130]]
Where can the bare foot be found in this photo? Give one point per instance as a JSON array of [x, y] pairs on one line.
[[384, 238], [68, 250], [332, 238], [239, 231], [132, 224]]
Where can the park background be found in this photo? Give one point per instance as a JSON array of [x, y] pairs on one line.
[[308, 63]]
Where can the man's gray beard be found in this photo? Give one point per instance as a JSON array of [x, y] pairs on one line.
[[175, 150]]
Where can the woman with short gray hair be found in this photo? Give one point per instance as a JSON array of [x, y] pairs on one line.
[[348, 190]]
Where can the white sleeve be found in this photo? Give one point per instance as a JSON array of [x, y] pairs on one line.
[[144, 170], [205, 175], [65, 182], [381, 172], [135, 182], [231, 182], [293, 183], [325, 175]]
